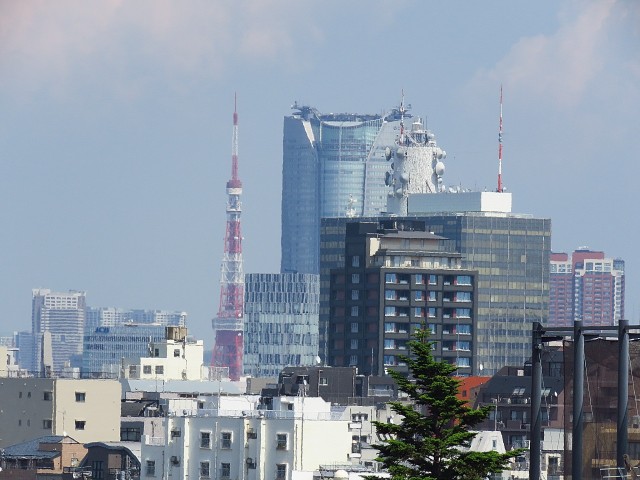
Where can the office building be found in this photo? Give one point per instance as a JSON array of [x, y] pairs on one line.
[[509, 251], [586, 286], [112, 317], [281, 313], [393, 283], [107, 348], [62, 315], [338, 165]]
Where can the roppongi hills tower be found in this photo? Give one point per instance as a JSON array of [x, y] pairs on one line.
[[337, 165]]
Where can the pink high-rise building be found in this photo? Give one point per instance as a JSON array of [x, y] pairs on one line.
[[585, 286]]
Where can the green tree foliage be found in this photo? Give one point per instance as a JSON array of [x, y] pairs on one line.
[[430, 442]]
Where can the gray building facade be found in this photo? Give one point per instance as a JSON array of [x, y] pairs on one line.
[[281, 314]]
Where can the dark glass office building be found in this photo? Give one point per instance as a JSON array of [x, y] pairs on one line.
[[511, 254]]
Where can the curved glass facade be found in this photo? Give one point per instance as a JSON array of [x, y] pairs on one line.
[[333, 166]]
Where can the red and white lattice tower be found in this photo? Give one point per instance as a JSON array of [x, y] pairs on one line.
[[228, 326]]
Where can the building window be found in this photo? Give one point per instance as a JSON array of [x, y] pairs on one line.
[[463, 280], [355, 261], [130, 434], [433, 279], [159, 369], [463, 296], [225, 470], [419, 279], [353, 360], [205, 439], [46, 424], [225, 440], [176, 352], [355, 294], [281, 439], [354, 327], [204, 469], [47, 396], [324, 381], [80, 424], [151, 468], [281, 471], [146, 369], [390, 278], [354, 344], [97, 470], [354, 311], [81, 396], [355, 278], [419, 295]]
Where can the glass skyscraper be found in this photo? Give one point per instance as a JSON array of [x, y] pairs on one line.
[[333, 166], [280, 322]]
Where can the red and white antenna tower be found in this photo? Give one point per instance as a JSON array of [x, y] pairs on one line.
[[500, 147], [229, 325]]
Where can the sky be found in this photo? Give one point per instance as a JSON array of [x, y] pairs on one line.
[[116, 124]]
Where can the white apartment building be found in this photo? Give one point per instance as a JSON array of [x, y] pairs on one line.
[[291, 440], [177, 357]]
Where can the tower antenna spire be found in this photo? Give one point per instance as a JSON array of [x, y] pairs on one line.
[[500, 147]]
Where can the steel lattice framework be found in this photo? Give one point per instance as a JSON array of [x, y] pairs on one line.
[[228, 325]]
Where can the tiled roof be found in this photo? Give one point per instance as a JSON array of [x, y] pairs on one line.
[[31, 449]]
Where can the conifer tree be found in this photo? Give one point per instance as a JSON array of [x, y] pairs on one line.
[[431, 441]]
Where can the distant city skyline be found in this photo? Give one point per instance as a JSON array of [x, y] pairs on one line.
[[115, 138]]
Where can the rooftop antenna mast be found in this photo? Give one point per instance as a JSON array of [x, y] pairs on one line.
[[500, 147], [402, 110]]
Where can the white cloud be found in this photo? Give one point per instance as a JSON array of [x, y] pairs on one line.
[[43, 42], [564, 65]]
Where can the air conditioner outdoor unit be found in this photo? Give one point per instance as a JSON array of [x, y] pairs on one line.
[[175, 460], [251, 463]]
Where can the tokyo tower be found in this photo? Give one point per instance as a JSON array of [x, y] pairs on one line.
[[228, 326]]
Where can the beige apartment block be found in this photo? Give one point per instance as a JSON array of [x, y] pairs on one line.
[[87, 410]]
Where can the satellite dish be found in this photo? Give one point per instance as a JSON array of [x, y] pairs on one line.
[[440, 169]]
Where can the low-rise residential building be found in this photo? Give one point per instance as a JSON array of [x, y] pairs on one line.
[[111, 461], [32, 407], [43, 458]]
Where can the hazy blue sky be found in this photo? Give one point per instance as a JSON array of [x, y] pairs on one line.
[[115, 127]]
